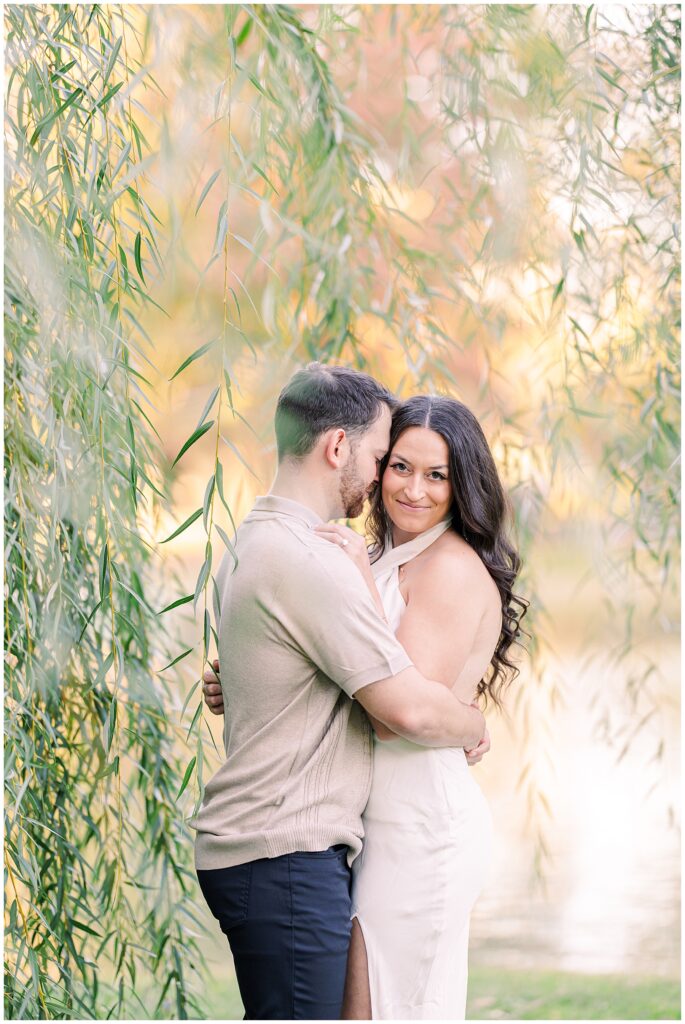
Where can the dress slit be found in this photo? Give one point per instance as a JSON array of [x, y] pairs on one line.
[[371, 967]]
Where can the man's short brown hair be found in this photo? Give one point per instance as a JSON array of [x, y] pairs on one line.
[[321, 397]]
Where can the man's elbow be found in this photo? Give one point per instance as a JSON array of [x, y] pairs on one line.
[[410, 721]]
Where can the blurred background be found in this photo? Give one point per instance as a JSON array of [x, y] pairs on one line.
[[481, 201]]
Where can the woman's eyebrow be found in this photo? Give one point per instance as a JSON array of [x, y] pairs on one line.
[[403, 458]]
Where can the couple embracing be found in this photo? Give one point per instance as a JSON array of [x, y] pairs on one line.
[[343, 842]]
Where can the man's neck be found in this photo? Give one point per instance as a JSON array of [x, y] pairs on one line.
[[304, 488]]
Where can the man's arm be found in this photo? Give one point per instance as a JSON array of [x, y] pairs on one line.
[[214, 700], [418, 709], [422, 711]]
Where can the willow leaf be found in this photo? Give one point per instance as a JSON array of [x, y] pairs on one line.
[[197, 354], [184, 526], [179, 600], [198, 712], [186, 777], [47, 121], [179, 657], [205, 190], [109, 95], [112, 60], [209, 491], [220, 489], [136, 252], [224, 536], [195, 436], [210, 402]]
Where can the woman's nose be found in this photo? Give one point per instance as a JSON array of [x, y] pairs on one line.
[[414, 488]]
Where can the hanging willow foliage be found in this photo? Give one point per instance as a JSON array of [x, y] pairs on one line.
[[494, 217], [497, 219], [98, 867]]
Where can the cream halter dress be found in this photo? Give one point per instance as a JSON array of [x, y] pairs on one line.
[[426, 852]]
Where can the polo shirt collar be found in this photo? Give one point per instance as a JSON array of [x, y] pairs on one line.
[[274, 504]]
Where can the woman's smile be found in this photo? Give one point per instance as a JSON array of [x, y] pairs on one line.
[[413, 508]]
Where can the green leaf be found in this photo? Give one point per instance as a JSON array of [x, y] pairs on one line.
[[110, 769], [203, 575], [136, 253], [111, 723], [224, 537], [229, 391], [205, 190], [210, 402], [103, 570], [147, 419], [198, 712], [195, 436], [186, 777], [176, 533], [104, 669], [244, 32], [112, 60], [181, 600], [220, 488], [209, 491], [263, 175], [191, 691], [184, 654], [667, 429], [88, 620], [109, 95], [191, 358], [47, 121], [206, 632]]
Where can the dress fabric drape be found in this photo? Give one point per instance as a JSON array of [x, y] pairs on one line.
[[426, 852]]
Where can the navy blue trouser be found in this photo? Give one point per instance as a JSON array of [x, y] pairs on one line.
[[287, 920]]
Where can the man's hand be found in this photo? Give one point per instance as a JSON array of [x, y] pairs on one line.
[[475, 755], [211, 687]]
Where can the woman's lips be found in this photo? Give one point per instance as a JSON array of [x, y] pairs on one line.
[[412, 508]]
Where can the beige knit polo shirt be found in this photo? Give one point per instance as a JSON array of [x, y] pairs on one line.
[[298, 635]]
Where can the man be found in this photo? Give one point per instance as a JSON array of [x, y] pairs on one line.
[[304, 653]]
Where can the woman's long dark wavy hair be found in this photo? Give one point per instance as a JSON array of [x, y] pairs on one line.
[[479, 514]]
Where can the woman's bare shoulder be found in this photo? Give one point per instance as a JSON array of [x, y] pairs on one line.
[[451, 562]]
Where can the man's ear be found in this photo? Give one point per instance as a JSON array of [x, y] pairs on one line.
[[336, 448]]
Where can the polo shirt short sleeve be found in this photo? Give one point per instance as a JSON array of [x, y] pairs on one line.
[[327, 610]]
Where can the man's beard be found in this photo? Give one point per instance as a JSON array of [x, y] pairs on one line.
[[353, 494]]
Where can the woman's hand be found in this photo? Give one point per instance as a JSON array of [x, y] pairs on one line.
[[476, 754], [352, 543], [354, 546]]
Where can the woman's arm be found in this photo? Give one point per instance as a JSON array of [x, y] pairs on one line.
[[440, 629]]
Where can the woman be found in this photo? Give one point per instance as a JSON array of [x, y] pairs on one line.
[[443, 571]]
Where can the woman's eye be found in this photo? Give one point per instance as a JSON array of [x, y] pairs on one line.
[[437, 476], [399, 465]]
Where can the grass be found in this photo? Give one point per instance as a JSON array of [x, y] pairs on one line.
[[523, 995], [554, 995]]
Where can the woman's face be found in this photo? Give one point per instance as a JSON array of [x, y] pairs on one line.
[[416, 488]]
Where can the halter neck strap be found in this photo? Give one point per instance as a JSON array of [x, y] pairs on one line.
[[405, 552]]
